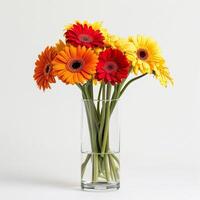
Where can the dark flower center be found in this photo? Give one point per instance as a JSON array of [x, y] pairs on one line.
[[142, 54], [48, 68], [110, 66], [76, 65], [85, 38]]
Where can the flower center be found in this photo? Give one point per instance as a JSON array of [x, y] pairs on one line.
[[142, 54], [110, 66], [76, 65], [85, 38], [47, 69]]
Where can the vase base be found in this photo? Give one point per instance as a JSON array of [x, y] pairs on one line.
[[100, 186]]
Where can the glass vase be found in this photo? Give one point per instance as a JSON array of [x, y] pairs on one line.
[[100, 145]]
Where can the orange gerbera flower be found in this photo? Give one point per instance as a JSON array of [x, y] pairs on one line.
[[43, 68], [75, 65], [60, 45]]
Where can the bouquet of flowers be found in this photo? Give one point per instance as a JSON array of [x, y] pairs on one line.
[[88, 57]]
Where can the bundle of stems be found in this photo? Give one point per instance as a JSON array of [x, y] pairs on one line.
[[105, 164]]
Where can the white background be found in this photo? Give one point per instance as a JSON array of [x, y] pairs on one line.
[[40, 132]]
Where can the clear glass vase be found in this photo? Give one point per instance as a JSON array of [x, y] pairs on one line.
[[100, 145]]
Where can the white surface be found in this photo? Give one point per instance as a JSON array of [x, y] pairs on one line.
[[39, 132], [152, 184]]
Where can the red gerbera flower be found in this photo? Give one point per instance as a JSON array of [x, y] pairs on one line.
[[84, 35], [113, 66]]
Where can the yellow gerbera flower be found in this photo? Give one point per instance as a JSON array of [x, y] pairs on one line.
[[162, 74], [120, 43], [145, 54]]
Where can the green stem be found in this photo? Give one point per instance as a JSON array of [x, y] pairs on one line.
[[95, 167], [107, 116], [129, 82], [114, 168], [115, 158], [94, 118], [115, 98], [107, 169], [102, 117], [121, 91], [82, 90], [89, 119], [114, 93], [98, 101], [111, 170], [91, 89], [84, 164]]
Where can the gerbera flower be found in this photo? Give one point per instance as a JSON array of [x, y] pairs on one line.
[[113, 66], [98, 26], [120, 43], [60, 45], [145, 54], [75, 65], [161, 72], [43, 70], [84, 35]]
